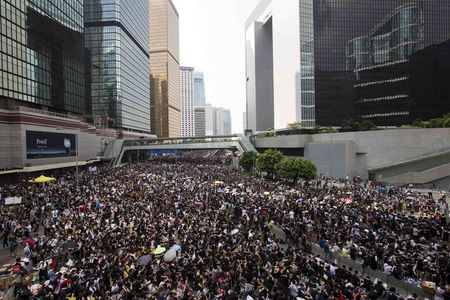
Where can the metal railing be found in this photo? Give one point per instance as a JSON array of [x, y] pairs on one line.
[[191, 140]]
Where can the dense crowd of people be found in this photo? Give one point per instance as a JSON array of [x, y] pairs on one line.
[[222, 231]]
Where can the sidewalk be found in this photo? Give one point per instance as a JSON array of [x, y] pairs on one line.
[[6, 258]]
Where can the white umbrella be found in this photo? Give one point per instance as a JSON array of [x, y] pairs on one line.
[[234, 231], [170, 255]]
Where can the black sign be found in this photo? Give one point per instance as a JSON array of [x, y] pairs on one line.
[[42, 144]]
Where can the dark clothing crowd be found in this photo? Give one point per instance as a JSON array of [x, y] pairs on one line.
[[229, 236]]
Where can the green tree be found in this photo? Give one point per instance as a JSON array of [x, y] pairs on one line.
[[436, 123], [295, 125], [355, 125], [269, 132], [288, 168], [266, 161], [446, 121], [308, 170], [328, 130], [248, 160], [350, 125], [367, 125]]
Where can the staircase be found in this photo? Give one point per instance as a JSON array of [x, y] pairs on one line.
[[246, 144]]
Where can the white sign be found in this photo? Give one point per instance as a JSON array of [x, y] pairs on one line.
[[13, 200]]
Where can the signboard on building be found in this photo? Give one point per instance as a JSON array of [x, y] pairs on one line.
[[41, 144]]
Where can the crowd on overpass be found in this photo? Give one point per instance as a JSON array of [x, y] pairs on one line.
[[191, 228]]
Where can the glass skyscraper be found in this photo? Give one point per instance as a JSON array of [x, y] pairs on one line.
[[116, 36], [382, 60], [42, 55]]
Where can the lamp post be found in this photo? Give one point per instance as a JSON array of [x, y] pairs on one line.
[[331, 155], [76, 164]]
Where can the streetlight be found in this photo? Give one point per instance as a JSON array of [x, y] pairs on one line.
[[76, 164], [331, 155]]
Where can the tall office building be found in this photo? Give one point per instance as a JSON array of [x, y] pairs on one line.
[[273, 65], [209, 120], [226, 122], [42, 56], [378, 60], [218, 121], [199, 104], [116, 37], [164, 68], [187, 101]]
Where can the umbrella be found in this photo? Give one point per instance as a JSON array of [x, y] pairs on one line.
[[144, 260], [279, 233], [42, 179], [234, 231], [159, 250], [170, 255], [69, 245], [266, 193], [175, 248], [348, 200], [217, 182]]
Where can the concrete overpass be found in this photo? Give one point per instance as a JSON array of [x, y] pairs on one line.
[[121, 149]]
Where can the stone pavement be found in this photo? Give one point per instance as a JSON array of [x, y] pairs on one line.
[[6, 258]]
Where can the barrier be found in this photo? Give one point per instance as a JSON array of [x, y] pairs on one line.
[[401, 286]]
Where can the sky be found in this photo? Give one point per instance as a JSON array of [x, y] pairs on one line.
[[212, 40]]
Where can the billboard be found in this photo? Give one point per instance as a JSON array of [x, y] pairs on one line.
[[41, 144]]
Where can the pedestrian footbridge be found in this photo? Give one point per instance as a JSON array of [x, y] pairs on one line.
[[128, 150]]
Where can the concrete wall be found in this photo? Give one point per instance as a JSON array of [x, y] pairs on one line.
[[330, 159], [89, 146], [10, 146], [91, 142], [369, 149]]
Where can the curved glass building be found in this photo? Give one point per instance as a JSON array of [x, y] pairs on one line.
[[382, 60]]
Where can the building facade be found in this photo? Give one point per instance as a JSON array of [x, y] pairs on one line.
[[382, 61], [273, 65], [199, 103], [164, 68], [226, 122], [119, 60], [387, 65], [42, 56], [218, 121], [209, 120], [187, 101]]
